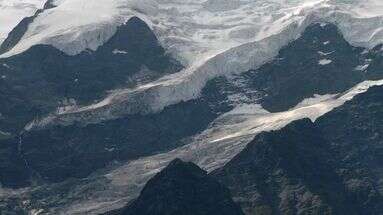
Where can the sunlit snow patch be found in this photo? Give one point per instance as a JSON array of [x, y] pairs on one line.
[[117, 51], [362, 67], [324, 62]]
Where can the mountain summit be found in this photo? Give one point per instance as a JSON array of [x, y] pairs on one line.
[[182, 189]]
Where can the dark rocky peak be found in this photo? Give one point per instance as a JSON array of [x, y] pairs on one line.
[[133, 55], [277, 148], [135, 41], [320, 62], [323, 35], [49, 5], [320, 41], [179, 169], [126, 38], [182, 189]]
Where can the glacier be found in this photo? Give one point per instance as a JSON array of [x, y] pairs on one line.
[[210, 37]]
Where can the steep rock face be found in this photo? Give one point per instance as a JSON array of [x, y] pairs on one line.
[[182, 189], [331, 167], [375, 62], [285, 172], [132, 55], [354, 132], [13, 169]]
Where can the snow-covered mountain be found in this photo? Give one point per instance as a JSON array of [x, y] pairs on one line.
[[202, 28], [130, 85], [211, 38]]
